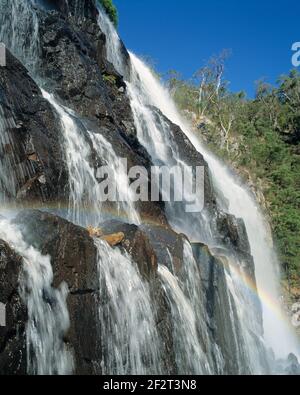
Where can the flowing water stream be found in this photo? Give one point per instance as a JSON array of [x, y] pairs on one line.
[[48, 318], [145, 91], [129, 336]]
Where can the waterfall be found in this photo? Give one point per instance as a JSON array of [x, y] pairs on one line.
[[128, 332], [86, 194], [144, 91], [128, 327], [20, 35], [48, 319], [242, 205], [8, 182], [190, 357]]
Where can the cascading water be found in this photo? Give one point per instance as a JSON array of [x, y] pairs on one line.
[[20, 35], [144, 91], [242, 206], [48, 319], [127, 320], [85, 208], [8, 184], [13, 174], [129, 336], [86, 193], [127, 326], [189, 353]]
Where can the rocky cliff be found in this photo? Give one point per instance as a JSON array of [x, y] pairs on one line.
[[73, 65]]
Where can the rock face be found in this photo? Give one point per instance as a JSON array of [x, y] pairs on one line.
[[190, 156], [33, 143], [73, 65], [225, 328], [74, 261], [148, 246], [12, 335]]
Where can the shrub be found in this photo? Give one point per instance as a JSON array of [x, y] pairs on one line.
[[111, 10]]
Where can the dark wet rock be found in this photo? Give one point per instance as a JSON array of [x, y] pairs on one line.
[[78, 9], [148, 246], [72, 251], [12, 335], [233, 232], [74, 261], [293, 366], [167, 244], [74, 60], [32, 127], [224, 323], [136, 244], [289, 366], [75, 67], [218, 306], [233, 236], [190, 156]]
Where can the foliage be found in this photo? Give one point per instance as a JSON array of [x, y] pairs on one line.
[[260, 136], [111, 10], [110, 78]]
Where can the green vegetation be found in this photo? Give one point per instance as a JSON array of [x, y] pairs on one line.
[[111, 10], [110, 78], [259, 137]]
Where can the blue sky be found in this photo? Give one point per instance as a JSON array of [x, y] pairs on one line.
[[181, 35]]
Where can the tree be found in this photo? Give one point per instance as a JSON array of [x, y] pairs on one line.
[[210, 81], [260, 137]]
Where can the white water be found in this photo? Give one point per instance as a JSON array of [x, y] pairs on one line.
[[127, 324], [48, 319], [86, 194], [128, 331], [130, 339], [190, 333], [144, 89], [190, 357], [242, 205], [13, 173], [8, 182], [127, 327], [20, 35]]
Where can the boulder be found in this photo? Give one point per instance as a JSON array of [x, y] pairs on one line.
[[111, 239], [114, 239]]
